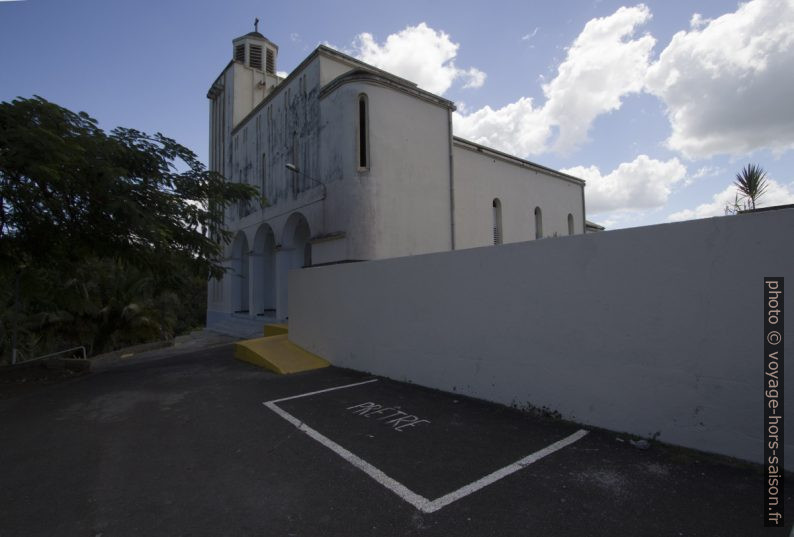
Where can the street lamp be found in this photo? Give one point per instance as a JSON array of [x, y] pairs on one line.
[[291, 167]]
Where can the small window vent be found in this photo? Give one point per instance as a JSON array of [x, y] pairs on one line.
[[239, 53], [255, 56], [497, 221], [271, 62]]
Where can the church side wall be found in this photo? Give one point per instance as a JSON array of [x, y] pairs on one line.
[[481, 177]]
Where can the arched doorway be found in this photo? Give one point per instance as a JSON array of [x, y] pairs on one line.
[[263, 278], [297, 250], [239, 274]]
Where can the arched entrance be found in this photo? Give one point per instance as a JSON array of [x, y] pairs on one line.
[[263, 279], [297, 250], [239, 274]]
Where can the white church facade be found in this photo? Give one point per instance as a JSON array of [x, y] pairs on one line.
[[357, 164]]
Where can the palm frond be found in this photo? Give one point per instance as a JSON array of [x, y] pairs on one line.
[[751, 183]]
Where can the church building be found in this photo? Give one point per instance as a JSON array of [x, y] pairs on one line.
[[356, 164]]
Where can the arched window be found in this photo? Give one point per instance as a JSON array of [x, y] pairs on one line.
[[538, 223], [497, 221], [570, 224], [363, 132]]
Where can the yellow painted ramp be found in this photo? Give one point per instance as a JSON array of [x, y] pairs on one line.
[[275, 329], [278, 354]]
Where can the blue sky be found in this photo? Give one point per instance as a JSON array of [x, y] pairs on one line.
[[656, 105]]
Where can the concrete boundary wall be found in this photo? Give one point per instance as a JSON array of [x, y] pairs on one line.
[[655, 331]]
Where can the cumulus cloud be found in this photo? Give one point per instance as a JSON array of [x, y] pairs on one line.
[[727, 82], [641, 184], [601, 67], [604, 63], [419, 54], [776, 194], [518, 128]]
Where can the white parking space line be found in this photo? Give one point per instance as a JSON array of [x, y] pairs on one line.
[[321, 391], [483, 482], [418, 501]]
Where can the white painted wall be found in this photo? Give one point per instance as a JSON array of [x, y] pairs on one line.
[[646, 330], [409, 203], [481, 176]]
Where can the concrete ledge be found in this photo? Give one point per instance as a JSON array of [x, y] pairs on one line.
[[277, 354]]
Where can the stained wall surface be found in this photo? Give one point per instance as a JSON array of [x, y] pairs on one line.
[[656, 331]]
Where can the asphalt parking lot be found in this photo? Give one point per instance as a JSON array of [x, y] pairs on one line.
[[200, 444]]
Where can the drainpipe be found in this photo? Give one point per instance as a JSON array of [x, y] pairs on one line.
[[451, 183]]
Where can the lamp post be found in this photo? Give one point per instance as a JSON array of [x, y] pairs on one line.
[[294, 169]]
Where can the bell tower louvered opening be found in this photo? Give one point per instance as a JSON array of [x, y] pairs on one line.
[[270, 62], [255, 51], [255, 56]]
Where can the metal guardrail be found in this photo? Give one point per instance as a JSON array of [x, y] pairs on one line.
[[50, 355]]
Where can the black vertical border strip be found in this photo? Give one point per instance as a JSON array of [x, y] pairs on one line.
[[778, 412]]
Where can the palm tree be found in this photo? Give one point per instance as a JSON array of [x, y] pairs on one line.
[[751, 183]]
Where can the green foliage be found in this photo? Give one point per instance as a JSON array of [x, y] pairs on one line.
[[109, 234], [751, 184]]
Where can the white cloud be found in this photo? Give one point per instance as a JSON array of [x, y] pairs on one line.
[[603, 64], [419, 54], [697, 21], [776, 194], [530, 35], [517, 128], [727, 83], [641, 184], [703, 171]]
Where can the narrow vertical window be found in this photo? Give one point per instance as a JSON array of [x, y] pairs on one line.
[[570, 224], [497, 221], [363, 133], [538, 223], [263, 179]]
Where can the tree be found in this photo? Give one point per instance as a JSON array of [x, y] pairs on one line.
[[75, 200], [751, 183]]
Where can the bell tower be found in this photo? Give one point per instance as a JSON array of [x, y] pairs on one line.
[[256, 51], [253, 69], [246, 81]]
